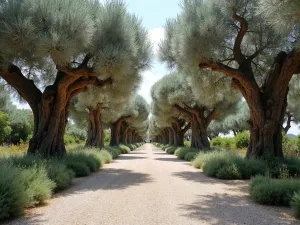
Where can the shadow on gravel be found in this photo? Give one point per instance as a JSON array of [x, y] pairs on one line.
[[170, 160], [108, 179], [127, 157], [26, 220], [138, 153], [200, 177], [221, 209]]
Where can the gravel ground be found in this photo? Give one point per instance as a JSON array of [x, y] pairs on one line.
[[149, 187]]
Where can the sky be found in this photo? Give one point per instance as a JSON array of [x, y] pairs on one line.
[[154, 14]]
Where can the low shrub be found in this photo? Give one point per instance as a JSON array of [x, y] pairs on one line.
[[200, 159], [125, 149], [12, 193], [268, 191], [26, 160], [181, 152], [228, 143], [89, 160], [130, 146], [295, 204], [79, 168], [187, 143], [60, 174], [190, 156], [164, 147], [57, 171], [171, 150], [105, 156], [38, 186], [216, 142], [228, 165], [242, 139], [69, 139], [115, 152]]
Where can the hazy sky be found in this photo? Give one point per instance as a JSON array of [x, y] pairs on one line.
[[154, 14]]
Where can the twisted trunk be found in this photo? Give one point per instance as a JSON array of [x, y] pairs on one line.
[[267, 107], [267, 103], [179, 132], [199, 124], [115, 131], [199, 135], [95, 129], [50, 108]]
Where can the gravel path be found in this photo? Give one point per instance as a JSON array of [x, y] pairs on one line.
[[149, 187]]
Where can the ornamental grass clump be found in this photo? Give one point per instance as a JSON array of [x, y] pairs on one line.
[[228, 165]]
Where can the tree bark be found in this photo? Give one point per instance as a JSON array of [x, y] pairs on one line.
[[95, 129], [267, 103], [199, 135], [115, 131], [50, 108], [199, 125], [179, 131]]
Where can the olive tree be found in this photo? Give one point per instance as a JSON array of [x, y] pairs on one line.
[[52, 50], [195, 100], [136, 126], [253, 42], [165, 94], [130, 124]]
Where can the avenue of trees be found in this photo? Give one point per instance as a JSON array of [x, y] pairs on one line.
[[250, 46], [51, 51]]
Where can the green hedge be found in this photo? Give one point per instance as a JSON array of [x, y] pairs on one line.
[[269, 191], [228, 165], [27, 181]]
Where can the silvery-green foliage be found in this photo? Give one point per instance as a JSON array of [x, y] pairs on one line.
[[205, 30], [283, 14], [120, 43], [39, 35], [139, 119], [210, 89], [167, 92], [236, 120], [36, 29]]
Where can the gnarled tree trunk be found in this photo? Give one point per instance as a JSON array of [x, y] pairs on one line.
[[50, 108], [199, 135], [199, 125], [95, 130], [115, 131], [268, 102], [179, 131]]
